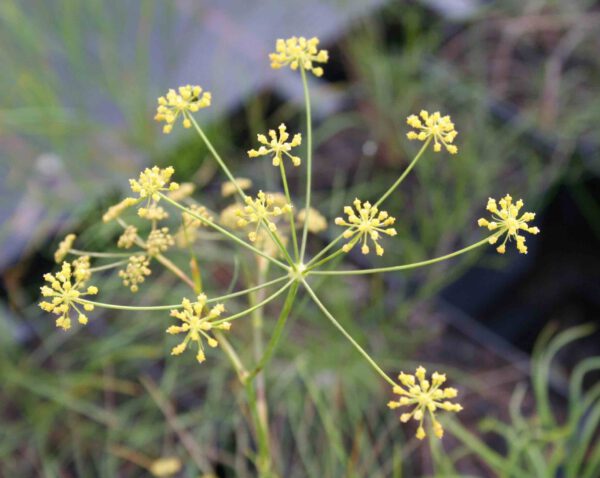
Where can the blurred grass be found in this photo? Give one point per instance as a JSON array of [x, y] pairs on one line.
[[69, 400]]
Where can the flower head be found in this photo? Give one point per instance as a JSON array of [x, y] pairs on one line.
[[159, 240], [188, 232], [316, 222], [187, 99], [365, 222], [277, 146], [138, 268], [425, 396], [261, 210], [152, 181], [115, 211], [228, 188], [67, 290], [507, 219], [63, 247], [128, 238], [299, 52], [436, 126], [197, 323]]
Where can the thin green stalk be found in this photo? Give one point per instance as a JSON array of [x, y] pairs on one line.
[[407, 266], [104, 267], [326, 249], [175, 270], [362, 351], [289, 200], [217, 157], [234, 358], [77, 252], [195, 268], [178, 306], [254, 307], [242, 194], [405, 173], [274, 341], [225, 232], [308, 162]]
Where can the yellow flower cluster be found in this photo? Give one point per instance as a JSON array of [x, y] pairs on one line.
[[152, 181], [507, 219], [67, 289], [365, 222], [128, 238], [187, 99], [138, 268], [299, 52], [277, 146], [64, 247], [259, 211], [228, 188], [159, 240], [115, 211], [436, 126], [197, 324], [426, 397], [316, 221]]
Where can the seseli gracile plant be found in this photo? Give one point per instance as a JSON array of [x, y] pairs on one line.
[[272, 228]]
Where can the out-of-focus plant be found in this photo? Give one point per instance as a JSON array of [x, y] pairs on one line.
[[277, 239], [540, 444]]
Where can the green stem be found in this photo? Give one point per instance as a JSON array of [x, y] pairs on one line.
[[408, 266], [227, 172], [325, 260], [217, 157], [289, 200], [232, 355], [225, 232], [104, 267], [308, 162], [178, 306], [77, 252], [362, 351], [254, 307], [405, 173], [326, 249], [175, 270], [274, 341]]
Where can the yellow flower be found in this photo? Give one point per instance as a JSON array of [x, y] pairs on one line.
[[159, 240], [260, 210], [152, 181], [365, 223], [507, 219], [188, 232], [316, 221], [115, 211], [425, 396], [63, 248], [67, 289], [228, 187], [136, 272], [153, 213], [196, 324], [188, 99], [277, 147], [128, 238], [435, 126], [299, 52]]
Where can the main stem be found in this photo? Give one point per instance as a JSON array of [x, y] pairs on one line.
[[308, 163], [362, 351]]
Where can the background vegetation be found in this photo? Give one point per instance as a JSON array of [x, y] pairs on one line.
[[78, 86]]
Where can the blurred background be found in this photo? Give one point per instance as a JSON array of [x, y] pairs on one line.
[[78, 91]]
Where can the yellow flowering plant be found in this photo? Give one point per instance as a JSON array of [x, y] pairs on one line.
[[271, 229]]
